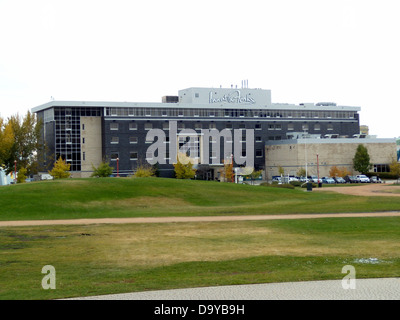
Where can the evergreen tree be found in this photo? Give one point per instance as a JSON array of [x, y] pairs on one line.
[[361, 160]]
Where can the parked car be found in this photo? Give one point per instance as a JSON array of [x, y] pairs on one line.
[[339, 180], [303, 179], [328, 180], [315, 179], [375, 179], [350, 179], [363, 178]]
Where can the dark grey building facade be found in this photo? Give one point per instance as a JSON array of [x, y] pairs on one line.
[[84, 133]]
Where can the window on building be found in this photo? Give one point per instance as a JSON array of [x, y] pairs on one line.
[[290, 126], [165, 125], [197, 125], [132, 126], [330, 126], [148, 126], [133, 155], [259, 153], [114, 126], [114, 156], [114, 140], [258, 126], [317, 127], [133, 140], [212, 125], [304, 127]]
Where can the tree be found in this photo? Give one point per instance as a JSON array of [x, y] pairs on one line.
[[103, 170], [184, 168], [227, 171], [301, 172], [361, 160], [25, 137], [6, 141], [21, 175], [254, 175], [395, 169], [60, 169]]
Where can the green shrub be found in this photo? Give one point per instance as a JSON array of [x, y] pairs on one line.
[[276, 185], [383, 175], [102, 171], [314, 185]]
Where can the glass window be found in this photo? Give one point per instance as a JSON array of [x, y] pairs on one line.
[[133, 155], [114, 140], [133, 139], [114, 126]]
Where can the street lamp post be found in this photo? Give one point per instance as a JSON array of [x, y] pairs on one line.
[[117, 167]]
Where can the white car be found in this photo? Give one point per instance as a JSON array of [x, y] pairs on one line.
[[363, 178]]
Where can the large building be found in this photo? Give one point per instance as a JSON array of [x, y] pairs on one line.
[[84, 133], [318, 155]]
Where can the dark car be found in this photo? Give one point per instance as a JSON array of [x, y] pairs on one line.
[[351, 179], [339, 180]]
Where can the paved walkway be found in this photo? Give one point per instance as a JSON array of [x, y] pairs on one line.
[[365, 289], [197, 219]]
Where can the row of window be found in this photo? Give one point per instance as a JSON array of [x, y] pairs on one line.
[[134, 155], [212, 125], [227, 113], [135, 139]]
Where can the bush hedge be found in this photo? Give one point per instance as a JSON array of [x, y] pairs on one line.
[[383, 175]]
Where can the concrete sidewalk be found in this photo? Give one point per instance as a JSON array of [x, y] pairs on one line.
[[366, 289]]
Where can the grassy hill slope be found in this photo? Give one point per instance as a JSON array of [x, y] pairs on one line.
[[125, 197]]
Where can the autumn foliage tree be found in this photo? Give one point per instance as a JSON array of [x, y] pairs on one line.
[[339, 172], [184, 167], [6, 141], [61, 169], [19, 141]]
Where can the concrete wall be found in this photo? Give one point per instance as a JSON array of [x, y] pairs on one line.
[[293, 155], [91, 144]]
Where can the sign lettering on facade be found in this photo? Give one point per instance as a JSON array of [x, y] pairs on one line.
[[233, 97]]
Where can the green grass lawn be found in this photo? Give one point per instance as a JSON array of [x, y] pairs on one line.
[[126, 197], [105, 259], [114, 258]]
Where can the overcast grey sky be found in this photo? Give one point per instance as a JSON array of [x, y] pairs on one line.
[[343, 51]]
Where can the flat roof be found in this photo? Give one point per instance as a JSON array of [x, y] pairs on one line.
[[114, 104]]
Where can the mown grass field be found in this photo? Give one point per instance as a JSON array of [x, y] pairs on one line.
[[111, 197], [111, 258]]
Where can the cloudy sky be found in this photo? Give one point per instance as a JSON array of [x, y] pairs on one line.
[[343, 51]]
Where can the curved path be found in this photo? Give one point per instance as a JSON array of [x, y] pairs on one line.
[[365, 289]]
